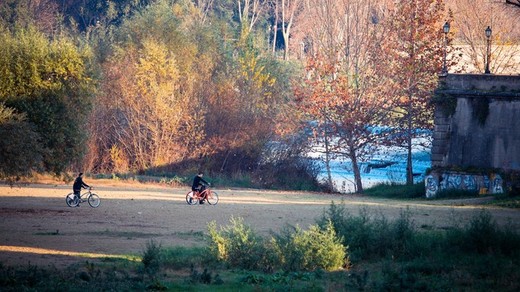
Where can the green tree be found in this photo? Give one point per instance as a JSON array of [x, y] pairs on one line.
[[20, 151], [48, 82]]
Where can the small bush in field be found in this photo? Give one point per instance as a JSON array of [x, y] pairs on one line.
[[403, 234], [314, 249], [152, 257], [237, 244]]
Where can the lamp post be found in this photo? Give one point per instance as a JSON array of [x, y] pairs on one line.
[[488, 54], [446, 29]]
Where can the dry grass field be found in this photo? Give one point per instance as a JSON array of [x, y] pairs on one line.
[[37, 227]]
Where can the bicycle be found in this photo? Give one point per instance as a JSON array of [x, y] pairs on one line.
[[195, 197], [88, 196]]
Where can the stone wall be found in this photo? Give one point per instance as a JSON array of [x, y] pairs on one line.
[[477, 126]]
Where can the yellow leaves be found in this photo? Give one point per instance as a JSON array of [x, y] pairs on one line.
[[119, 159], [157, 77], [148, 97], [31, 63], [251, 70], [257, 82]]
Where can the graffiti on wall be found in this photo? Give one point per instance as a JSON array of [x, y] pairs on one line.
[[483, 184]]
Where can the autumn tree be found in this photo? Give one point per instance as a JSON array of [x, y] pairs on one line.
[[144, 109], [344, 90], [43, 14], [249, 91], [418, 50], [196, 93]]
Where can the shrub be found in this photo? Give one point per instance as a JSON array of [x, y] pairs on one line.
[[293, 173], [355, 231], [482, 232], [310, 250], [372, 237], [403, 234], [236, 244], [484, 236], [20, 154], [318, 248], [152, 257], [291, 250]]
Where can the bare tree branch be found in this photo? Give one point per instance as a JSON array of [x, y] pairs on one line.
[[514, 3]]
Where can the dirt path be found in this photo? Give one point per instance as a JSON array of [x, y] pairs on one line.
[[37, 226]]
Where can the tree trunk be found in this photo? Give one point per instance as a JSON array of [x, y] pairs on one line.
[[286, 44], [357, 173], [409, 167], [327, 163]]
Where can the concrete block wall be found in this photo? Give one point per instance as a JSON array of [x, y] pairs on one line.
[[484, 129], [477, 126]]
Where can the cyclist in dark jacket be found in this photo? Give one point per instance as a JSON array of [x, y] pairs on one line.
[[78, 184], [197, 185]]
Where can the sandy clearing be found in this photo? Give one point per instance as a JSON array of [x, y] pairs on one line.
[[37, 226]]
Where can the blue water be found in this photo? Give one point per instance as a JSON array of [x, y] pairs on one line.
[[343, 177]]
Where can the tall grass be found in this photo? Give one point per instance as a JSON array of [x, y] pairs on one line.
[[397, 191], [411, 259]]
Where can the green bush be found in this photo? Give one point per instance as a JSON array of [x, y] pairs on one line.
[[237, 244], [356, 231], [152, 257], [403, 234], [483, 236], [316, 248], [292, 250], [21, 154], [374, 236]]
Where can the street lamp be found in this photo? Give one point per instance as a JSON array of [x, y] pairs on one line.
[[446, 29], [488, 55]]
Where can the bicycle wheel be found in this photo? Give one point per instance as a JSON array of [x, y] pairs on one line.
[[71, 200], [212, 198], [190, 198], [94, 200]]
